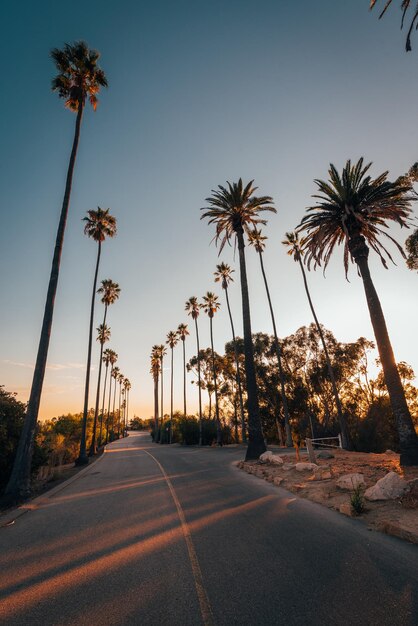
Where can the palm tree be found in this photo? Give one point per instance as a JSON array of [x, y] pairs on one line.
[[115, 375], [193, 308], [234, 210], [405, 4], [99, 225], [161, 351], [79, 77], [103, 335], [182, 332], [110, 293], [127, 386], [294, 247], [155, 371], [210, 305], [172, 341], [256, 239], [354, 209], [223, 274], [106, 360], [113, 357], [121, 379]]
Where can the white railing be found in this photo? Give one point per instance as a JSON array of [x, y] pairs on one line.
[[327, 445]]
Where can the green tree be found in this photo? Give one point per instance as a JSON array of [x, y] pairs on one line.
[[294, 249], [211, 305], [99, 225], [235, 210], [223, 275], [79, 78], [193, 308], [110, 293], [182, 332], [354, 209], [256, 239]]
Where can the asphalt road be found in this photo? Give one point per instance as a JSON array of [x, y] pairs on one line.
[[159, 535]]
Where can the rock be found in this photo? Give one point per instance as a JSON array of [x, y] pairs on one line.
[[288, 466], [390, 452], [389, 487], [306, 467], [278, 480], [324, 454], [322, 473], [276, 460], [345, 509], [265, 457], [350, 481]]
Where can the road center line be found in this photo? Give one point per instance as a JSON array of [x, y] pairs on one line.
[[205, 608]]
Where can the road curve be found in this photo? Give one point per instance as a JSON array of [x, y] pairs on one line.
[[168, 535]]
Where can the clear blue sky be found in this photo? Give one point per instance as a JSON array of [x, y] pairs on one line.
[[199, 92]]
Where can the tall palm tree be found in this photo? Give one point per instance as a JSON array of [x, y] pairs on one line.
[[127, 386], [103, 335], [172, 341], [294, 249], [121, 379], [155, 371], [193, 309], [110, 293], [106, 360], [99, 225], [235, 210], [223, 275], [182, 332], [257, 239], [354, 209], [115, 375], [113, 357], [405, 5], [79, 77], [161, 351], [210, 305]]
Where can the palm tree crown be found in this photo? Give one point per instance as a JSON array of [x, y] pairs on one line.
[[223, 274], [109, 291], [235, 209], [210, 304], [103, 333], [99, 224], [193, 307], [352, 206], [405, 4], [79, 75], [294, 245], [182, 331], [172, 338], [256, 239]]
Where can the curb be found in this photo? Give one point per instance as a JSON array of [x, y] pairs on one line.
[[9, 518]]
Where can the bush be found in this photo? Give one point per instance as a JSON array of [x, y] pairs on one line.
[[357, 501]]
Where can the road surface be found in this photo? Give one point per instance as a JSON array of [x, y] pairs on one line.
[[167, 535]]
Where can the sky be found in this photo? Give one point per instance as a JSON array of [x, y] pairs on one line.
[[199, 93]]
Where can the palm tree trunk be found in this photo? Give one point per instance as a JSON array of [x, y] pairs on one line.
[[156, 407], [108, 406], [171, 394], [127, 409], [93, 447], [256, 445], [119, 410], [289, 441], [184, 377], [215, 384], [408, 440], [238, 375], [199, 382], [18, 487], [82, 457], [103, 403], [114, 408], [341, 419], [160, 434]]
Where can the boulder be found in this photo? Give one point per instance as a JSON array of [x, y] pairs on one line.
[[346, 509], [306, 467], [265, 457], [322, 473], [276, 460], [278, 480], [324, 454], [389, 487], [288, 466], [349, 482]]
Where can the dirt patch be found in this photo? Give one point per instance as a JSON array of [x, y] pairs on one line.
[[396, 517]]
